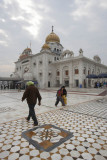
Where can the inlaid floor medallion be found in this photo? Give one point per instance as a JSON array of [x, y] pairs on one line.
[[46, 137]]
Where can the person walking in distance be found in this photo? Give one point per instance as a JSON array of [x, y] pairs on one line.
[[19, 88], [59, 97], [31, 94]]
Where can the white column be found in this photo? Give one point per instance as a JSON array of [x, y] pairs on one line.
[[86, 75], [61, 76], [45, 70], [80, 73], [70, 75]]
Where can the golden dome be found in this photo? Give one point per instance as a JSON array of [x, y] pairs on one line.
[[52, 37], [25, 53], [22, 56], [45, 46], [28, 49]]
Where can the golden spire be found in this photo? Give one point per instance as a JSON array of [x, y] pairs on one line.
[[52, 28]]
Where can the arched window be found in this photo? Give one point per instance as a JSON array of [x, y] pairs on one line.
[[98, 70], [84, 70], [57, 73], [76, 71], [93, 71], [66, 72], [89, 71]]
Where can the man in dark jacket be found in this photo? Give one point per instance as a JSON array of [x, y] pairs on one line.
[[31, 94]]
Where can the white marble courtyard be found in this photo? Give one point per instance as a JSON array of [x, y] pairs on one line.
[[85, 116]]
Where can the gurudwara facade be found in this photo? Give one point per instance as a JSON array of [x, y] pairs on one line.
[[54, 67]]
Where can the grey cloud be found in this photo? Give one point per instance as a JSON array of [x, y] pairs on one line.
[[87, 32]]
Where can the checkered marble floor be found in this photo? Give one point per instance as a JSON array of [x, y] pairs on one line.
[[84, 117], [89, 139], [97, 108], [11, 106]]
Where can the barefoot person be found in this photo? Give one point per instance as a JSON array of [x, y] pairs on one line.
[[59, 97], [31, 94]]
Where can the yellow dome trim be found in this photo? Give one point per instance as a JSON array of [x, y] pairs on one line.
[[27, 49], [23, 56], [52, 37], [45, 46]]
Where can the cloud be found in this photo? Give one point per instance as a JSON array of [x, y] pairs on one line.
[[9, 2], [88, 12], [78, 23], [82, 9], [103, 4], [2, 32], [18, 18], [2, 20], [27, 13], [4, 43], [4, 38], [5, 69], [33, 18]]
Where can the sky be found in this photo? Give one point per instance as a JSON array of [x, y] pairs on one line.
[[25, 23]]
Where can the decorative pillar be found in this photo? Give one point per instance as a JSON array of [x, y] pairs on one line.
[[70, 75], [61, 76], [80, 73], [86, 75]]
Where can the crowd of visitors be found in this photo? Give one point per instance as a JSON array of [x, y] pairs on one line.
[[100, 84], [4, 87]]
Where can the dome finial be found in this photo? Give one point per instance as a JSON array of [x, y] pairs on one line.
[[52, 28]]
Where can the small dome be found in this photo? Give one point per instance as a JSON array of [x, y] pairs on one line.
[[45, 46], [52, 37], [25, 53], [27, 49], [23, 56], [97, 58]]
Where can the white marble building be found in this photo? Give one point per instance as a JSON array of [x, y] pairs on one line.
[[54, 67]]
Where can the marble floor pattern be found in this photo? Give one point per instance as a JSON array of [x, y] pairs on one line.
[[11, 106], [89, 141], [97, 108]]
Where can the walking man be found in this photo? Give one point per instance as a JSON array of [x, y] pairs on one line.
[[31, 94]]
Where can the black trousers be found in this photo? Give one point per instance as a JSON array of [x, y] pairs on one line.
[[32, 113], [61, 100]]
